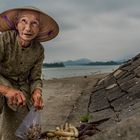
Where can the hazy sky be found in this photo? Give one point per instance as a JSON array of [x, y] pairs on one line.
[[95, 29]]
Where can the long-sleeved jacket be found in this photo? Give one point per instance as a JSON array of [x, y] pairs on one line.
[[21, 66]]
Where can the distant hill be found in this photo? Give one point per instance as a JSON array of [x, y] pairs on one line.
[[105, 63], [85, 61], [81, 61], [53, 65]]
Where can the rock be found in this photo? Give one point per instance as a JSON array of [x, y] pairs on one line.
[[110, 80], [114, 93], [100, 115], [116, 98], [79, 109], [118, 73], [126, 78], [127, 129], [128, 84], [98, 101], [124, 102]]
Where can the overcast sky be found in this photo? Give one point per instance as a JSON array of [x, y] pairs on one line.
[[100, 30]]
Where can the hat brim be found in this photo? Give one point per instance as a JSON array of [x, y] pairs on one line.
[[48, 30]]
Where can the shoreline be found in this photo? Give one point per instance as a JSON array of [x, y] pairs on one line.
[[98, 75], [60, 96], [75, 71]]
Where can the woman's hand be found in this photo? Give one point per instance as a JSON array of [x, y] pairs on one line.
[[37, 99], [15, 97]]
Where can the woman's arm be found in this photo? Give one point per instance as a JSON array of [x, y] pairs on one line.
[[36, 82], [14, 96]]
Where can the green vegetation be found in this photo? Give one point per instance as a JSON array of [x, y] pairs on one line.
[[52, 65], [85, 118], [105, 63], [87, 62], [82, 62]]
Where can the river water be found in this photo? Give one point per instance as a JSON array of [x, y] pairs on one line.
[[70, 71]]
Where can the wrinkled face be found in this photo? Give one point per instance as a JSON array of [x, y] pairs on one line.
[[28, 25]]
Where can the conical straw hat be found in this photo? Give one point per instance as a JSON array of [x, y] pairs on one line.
[[48, 30]]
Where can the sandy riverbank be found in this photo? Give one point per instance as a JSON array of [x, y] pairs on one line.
[[60, 95]]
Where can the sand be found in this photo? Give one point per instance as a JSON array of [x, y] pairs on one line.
[[60, 95]]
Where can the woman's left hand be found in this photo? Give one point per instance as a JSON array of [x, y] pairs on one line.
[[37, 99]]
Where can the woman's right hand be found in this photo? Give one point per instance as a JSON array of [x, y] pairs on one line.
[[15, 97]]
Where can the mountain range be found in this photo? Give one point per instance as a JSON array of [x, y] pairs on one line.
[[85, 61], [81, 61]]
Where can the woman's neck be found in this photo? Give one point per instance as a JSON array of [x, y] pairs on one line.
[[23, 43]]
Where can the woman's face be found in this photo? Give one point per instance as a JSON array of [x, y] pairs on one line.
[[28, 25]]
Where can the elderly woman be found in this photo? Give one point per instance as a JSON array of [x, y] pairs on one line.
[[21, 58]]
